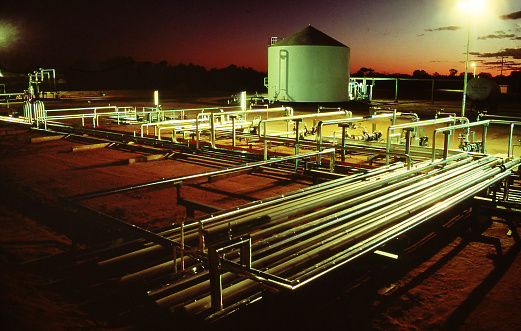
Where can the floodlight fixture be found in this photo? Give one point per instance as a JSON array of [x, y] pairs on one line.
[[470, 7]]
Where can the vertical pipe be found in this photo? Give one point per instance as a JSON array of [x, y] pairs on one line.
[[484, 138], [446, 144], [319, 147], [212, 130], [343, 153], [197, 134], [182, 245], [407, 141], [297, 137], [265, 143], [510, 140], [408, 147], [396, 91], [243, 100], [507, 189], [246, 254], [215, 279], [233, 130]]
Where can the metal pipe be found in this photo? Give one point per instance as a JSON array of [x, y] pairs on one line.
[[292, 206], [380, 238], [355, 198], [334, 246], [212, 131], [333, 239], [336, 249], [175, 180], [321, 124], [377, 240], [415, 125], [454, 127]]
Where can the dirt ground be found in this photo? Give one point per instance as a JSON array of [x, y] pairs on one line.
[[465, 285]]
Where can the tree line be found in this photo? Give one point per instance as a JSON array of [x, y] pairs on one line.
[[125, 73], [419, 73]]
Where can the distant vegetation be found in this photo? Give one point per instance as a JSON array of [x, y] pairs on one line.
[[125, 73], [424, 86], [452, 73], [453, 80]]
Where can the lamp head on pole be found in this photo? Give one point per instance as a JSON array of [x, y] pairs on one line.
[[472, 6]]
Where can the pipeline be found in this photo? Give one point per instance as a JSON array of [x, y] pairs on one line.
[[299, 236], [300, 262]]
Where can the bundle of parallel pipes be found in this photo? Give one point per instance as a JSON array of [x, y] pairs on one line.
[[288, 241]]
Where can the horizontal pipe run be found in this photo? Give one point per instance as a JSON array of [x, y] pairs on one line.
[[400, 228], [369, 220], [178, 180], [454, 127], [322, 247], [259, 210], [392, 190], [391, 128]]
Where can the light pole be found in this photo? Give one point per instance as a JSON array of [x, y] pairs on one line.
[[466, 73], [474, 66], [469, 6]]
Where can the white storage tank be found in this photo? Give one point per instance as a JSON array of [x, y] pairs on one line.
[[308, 66]]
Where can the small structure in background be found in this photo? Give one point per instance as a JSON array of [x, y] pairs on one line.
[[484, 93]]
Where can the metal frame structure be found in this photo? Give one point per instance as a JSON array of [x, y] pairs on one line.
[[220, 261], [356, 215]]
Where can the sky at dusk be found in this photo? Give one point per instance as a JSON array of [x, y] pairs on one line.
[[389, 36]]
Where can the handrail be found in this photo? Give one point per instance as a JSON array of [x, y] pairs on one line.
[[454, 127], [418, 124], [263, 133], [321, 124]]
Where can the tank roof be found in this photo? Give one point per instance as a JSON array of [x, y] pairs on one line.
[[309, 36]]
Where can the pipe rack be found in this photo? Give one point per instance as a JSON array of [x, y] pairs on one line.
[[34, 111], [288, 241], [415, 125]]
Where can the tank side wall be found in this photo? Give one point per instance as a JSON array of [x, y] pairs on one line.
[[273, 72], [303, 73]]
